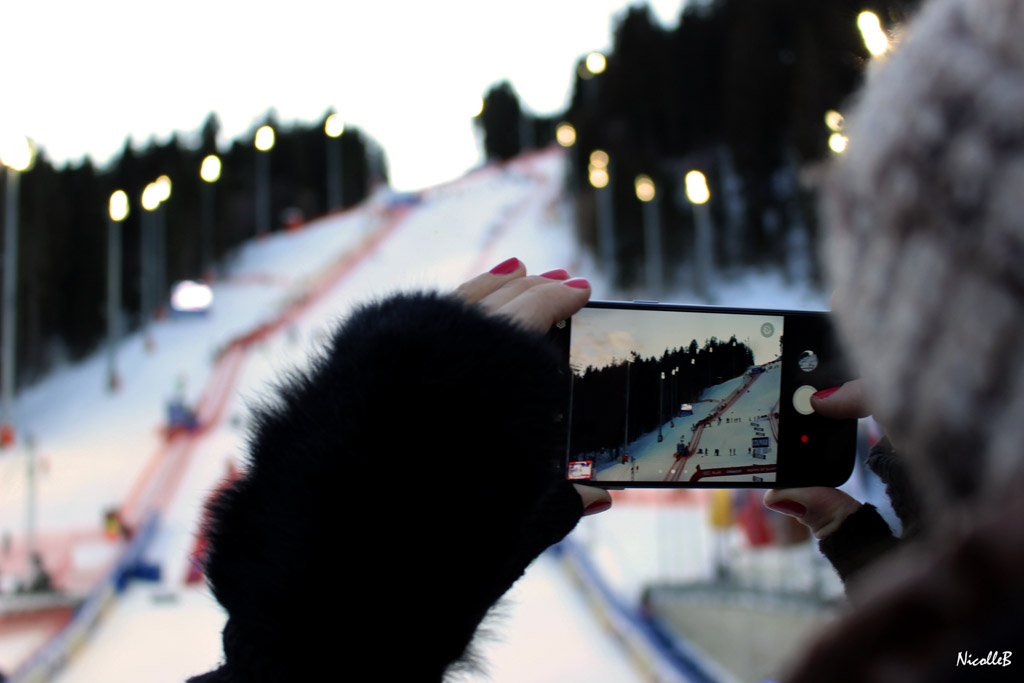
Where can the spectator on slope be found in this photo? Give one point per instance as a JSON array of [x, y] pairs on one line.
[[39, 579]]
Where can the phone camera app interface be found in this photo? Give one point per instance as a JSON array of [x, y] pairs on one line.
[[808, 361], [674, 396]]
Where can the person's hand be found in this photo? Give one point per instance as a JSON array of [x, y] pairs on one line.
[[535, 302], [821, 509], [846, 401]]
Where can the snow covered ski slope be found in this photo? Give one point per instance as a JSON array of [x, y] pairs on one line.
[[272, 306], [718, 437], [95, 452]]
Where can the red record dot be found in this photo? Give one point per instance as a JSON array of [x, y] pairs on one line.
[[804, 439]]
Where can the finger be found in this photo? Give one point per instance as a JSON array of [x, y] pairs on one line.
[[846, 401], [484, 284], [509, 291], [513, 288], [820, 509], [540, 307], [594, 499]]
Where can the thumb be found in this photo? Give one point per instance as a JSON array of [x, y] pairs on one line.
[[820, 509], [846, 401]]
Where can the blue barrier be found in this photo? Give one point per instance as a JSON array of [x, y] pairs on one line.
[[664, 656], [45, 664]]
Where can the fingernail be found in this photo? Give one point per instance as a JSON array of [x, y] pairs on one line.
[[597, 506], [578, 283], [825, 393], [557, 274], [789, 507], [505, 267]]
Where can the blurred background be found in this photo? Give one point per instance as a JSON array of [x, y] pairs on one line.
[[193, 192]]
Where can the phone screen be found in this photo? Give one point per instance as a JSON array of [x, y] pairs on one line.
[[674, 396], [667, 396]]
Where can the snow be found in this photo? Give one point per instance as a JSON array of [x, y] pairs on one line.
[[93, 446], [731, 436]]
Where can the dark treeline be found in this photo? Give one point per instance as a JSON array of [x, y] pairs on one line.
[[62, 274], [599, 395], [508, 129], [738, 90]]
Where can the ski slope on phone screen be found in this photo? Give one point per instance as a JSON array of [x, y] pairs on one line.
[[723, 442]]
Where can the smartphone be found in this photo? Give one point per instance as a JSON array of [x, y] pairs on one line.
[[664, 395]]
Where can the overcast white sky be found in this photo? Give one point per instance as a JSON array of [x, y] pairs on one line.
[[602, 337], [79, 77]]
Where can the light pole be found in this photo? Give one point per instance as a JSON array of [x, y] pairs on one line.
[[625, 437], [565, 135], [264, 143], [568, 430], [698, 193], [594, 65], [711, 349], [117, 211], [16, 156], [526, 137], [600, 179], [151, 197], [210, 173], [646, 193], [661, 406], [334, 127], [163, 185], [672, 397]]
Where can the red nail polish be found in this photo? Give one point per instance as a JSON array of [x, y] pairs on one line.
[[557, 274], [578, 283], [597, 506], [505, 267], [789, 507], [824, 393]]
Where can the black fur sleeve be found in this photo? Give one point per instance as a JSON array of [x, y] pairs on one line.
[[394, 493]]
